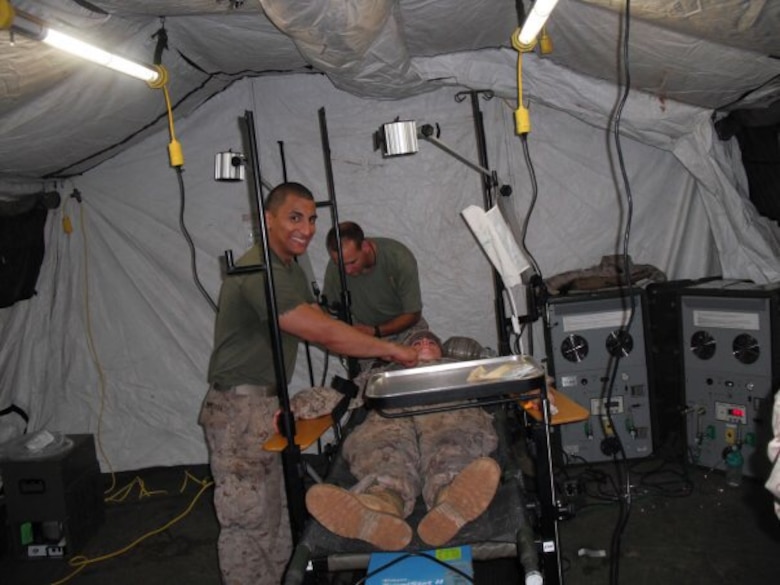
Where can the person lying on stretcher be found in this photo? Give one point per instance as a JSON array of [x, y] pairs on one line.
[[443, 456]]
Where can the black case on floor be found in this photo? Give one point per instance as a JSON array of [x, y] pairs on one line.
[[54, 503]]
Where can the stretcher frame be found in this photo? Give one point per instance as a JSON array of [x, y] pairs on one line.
[[319, 552]]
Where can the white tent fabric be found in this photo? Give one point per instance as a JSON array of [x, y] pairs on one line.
[[748, 244], [117, 340]]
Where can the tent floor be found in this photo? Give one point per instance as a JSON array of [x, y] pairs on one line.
[[715, 535]]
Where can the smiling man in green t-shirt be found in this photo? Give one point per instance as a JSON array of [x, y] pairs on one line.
[[237, 414]]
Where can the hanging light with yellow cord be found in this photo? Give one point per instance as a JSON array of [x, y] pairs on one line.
[[155, 76], [524, 40]]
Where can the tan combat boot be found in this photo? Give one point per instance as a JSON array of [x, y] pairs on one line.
[[467, 496], [375, 518]]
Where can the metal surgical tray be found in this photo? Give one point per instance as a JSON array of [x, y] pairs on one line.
[[449, 381]]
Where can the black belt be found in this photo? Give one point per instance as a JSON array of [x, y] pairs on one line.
[[246, 389]]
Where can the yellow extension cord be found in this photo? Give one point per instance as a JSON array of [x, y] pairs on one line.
[[80, 562]]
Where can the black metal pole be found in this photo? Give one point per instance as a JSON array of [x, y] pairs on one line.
[[291, 455], [305, 343], [283, 160], [548, 513], [487, 196], [345, 314]]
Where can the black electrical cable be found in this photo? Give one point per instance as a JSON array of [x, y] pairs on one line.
[[520, 9], [402, 557], [624, 480], [246, 72], [161, 36], [534, 195], [325, 368], [91, 7], [59, 173], [518, 337], [179, 173], [669, 483], [238, 75]]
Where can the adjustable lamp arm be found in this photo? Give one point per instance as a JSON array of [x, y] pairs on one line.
[[426, 133], [400, 138]]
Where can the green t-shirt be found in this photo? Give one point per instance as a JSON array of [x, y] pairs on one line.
[[242, 333], [390, 289]]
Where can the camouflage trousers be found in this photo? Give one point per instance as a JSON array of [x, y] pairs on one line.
[[418, 454], [255, 542]]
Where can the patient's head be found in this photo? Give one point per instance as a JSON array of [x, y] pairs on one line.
[[427, 344]]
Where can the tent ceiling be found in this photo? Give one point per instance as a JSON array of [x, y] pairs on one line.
[[744, 24], [60, 117]]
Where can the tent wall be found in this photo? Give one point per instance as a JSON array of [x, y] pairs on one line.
[[117, 340]]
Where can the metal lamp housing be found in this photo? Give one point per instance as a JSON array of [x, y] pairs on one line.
[[399, 138]]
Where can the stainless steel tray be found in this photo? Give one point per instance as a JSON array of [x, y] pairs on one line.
[[449, 382]]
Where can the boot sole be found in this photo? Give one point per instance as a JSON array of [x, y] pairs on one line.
[[464, 500], [344, 514]]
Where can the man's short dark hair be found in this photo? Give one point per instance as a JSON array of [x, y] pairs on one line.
[[279, 194], [349, 230]]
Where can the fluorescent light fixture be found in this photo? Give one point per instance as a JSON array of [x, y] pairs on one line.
[[92, 53], [535, 21], [34, 28]]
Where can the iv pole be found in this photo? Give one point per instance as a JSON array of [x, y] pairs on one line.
[[489, 184], [353, 367], [488, 202]]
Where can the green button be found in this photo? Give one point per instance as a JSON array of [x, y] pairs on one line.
[[26, 533], [448, 554]]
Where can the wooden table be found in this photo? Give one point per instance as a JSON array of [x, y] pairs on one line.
[[306, 433], [568, 411]]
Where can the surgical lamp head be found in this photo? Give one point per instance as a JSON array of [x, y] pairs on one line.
[[400, 138], [397, 138]]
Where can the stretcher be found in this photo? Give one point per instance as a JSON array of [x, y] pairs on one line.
[[507, 529]]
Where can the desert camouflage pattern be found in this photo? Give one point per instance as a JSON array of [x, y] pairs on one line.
[[315, 402], [255, 542], [417, 454], [369, 365]]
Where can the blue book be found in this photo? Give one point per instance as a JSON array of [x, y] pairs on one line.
[[431, 567]]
